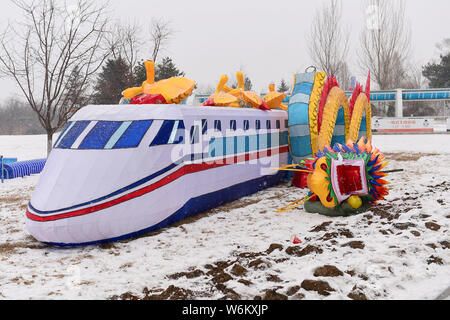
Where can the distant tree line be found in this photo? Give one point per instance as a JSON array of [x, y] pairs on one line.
[[17, 118]]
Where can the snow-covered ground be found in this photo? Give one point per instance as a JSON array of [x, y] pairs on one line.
[[397, 250]]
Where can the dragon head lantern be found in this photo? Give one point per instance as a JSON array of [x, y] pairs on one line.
[[345, 179]]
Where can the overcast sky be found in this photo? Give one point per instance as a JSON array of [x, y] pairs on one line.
[[264, 37]]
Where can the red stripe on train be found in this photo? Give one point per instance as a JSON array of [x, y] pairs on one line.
[[192, 168]]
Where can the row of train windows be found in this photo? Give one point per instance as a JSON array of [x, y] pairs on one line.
[[129, 134], [246, 125], [195, 135]]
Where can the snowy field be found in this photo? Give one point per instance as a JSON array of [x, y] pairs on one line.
[[397, 250]]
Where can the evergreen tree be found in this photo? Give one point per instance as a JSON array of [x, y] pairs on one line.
[[283, 87], [167, 69], [112, 80], [139, 73], [247, 84], [76, 95], [438, 74]]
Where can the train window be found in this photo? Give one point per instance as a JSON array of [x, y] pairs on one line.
[[268, 125], [194, 135], [64, 132], [177, 135], [204, 126], [233, 124], [171, 132], [70, 134], [129, 134], [278, 124], [258, 124], [217, 125], [100, 135], [286, 123], [246, 125]]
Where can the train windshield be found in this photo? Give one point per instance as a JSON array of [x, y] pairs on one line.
[[102, 134]]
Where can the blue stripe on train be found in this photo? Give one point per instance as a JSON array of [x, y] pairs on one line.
[[99, 135], [72, 134], [197, 205], [132, 137]]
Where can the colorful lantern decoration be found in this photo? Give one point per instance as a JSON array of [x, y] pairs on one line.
[[168, 91]]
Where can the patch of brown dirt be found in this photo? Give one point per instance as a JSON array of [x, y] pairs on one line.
[[340, 233], [249, 255], [355, 245], [299, 252], [245, 282], [436, 260], [13, 199], [322, 287], [351, 272], [238, 270], [445, 244], [274, 295], [293, 290], [346, 233], [221, 277], [273, 247], [381, 211], [125, 296], [189, 275], [171, 293], [357, 294], [108, 246], [273, 278], [328, 271], [432, 226], [229, 294], [404, 225], [11, 248], [322, 227], [259, 264]]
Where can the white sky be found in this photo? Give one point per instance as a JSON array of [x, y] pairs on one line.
[[264, 37]]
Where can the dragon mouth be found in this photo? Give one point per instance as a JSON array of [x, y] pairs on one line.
[[349, 178]]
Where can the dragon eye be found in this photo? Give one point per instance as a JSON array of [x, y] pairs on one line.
[[324, 167]]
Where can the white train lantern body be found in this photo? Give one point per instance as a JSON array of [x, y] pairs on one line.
[[120, 171]]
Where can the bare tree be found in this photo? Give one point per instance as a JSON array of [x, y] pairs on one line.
[[328, 43], [385, 43], [344, 76], [126, 42], [52, 42], [160, 33]]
